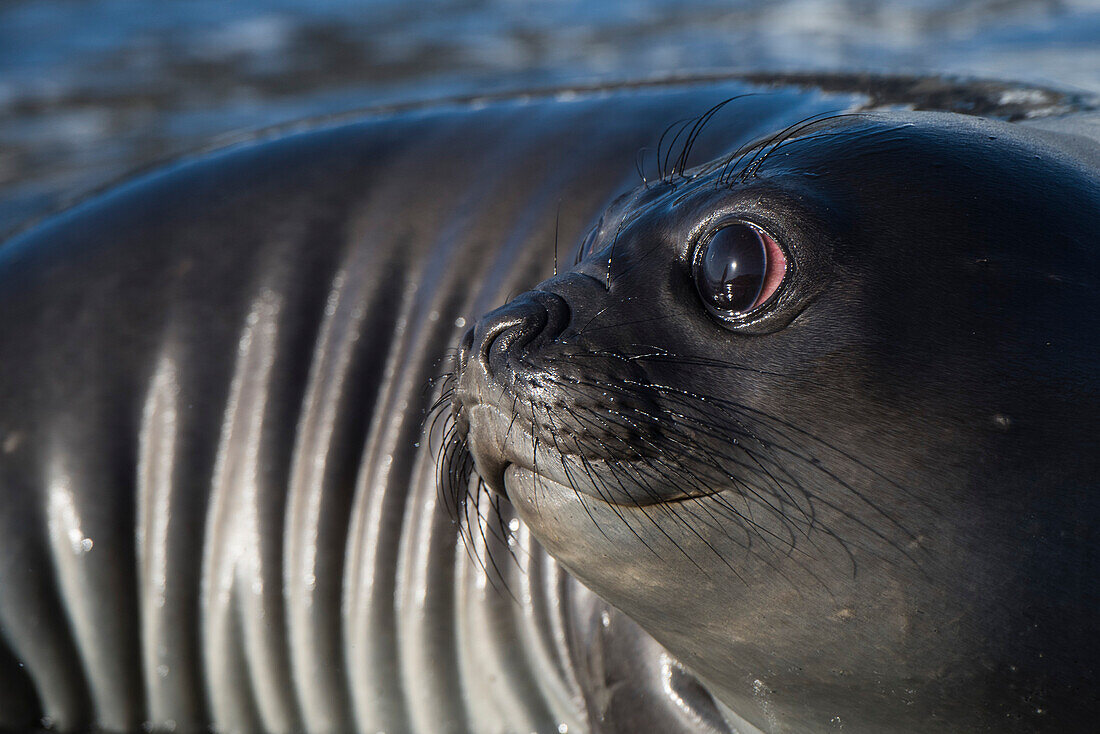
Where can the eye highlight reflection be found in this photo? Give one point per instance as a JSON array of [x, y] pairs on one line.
[[738, 269]]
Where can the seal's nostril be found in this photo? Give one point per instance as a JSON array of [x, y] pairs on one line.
[[533, 315], [505, 328]]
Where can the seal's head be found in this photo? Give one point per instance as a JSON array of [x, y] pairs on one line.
[[823, 419]]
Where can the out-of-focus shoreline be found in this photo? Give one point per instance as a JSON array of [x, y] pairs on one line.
[[91, 90]]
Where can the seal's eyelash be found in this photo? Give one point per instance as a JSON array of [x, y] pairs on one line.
[[586, 244], [743, 163], [671, 160], [694, 127]]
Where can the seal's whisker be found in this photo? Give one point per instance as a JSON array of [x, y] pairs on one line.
[[686, 444], [744, 486], [620, 324], [611, 252], [746, 489], [596, 484], [690, 527], [496, 576], [443, 401], [676, 359], [596, 478], [705, 502], [515, 415], [733, 160], [809, 515], [670, 473], [448, 481], [565, 469], [789, 135], [820, 498], [679, 126], [573, 484], [774, 141], [557, 221], [760, 150], [584, 328], [817, 465], [701, 123], [639, 165], [534, 459], [505, 535], [465, 524], [746, 409], [690, 476], [433, 429], [459, 472]]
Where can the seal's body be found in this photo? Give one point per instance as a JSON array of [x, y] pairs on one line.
[[219, 500]]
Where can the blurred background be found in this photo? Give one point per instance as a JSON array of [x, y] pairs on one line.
[[91, 89]]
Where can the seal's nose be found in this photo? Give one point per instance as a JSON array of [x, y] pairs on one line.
[[534, 318]]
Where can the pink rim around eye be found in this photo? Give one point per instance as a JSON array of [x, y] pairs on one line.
[[776, 269]]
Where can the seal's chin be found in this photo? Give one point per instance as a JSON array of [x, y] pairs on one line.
[[523, 483]]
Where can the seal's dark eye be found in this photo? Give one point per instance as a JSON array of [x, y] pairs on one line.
[[738, 269]]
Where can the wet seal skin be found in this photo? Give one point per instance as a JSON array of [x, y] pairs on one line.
[[823, 417], [815, 424]]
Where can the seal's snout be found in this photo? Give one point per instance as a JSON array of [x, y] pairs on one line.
[[488, 352], [493, 360], [532, 319]]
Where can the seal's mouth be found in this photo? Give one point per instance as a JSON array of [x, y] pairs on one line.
[[534, 439], [526, 482]]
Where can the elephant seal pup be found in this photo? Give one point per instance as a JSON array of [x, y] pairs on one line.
[[823, 417], [218, 501], [218, 507]]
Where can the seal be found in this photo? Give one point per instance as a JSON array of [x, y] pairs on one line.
[[822, 416], [218, 496]]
